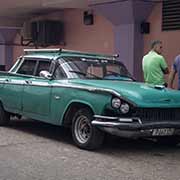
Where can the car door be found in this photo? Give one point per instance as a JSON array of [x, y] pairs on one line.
[[36, 93], [12, 90], [59, 94]]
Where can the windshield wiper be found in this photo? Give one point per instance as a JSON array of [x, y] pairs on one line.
[[118, 74], [84, 74]]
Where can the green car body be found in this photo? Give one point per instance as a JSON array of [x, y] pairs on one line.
[[91, 104]]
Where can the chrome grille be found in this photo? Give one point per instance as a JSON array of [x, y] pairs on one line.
[[149, 114]]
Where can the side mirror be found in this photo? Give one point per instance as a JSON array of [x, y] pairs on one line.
[[46, 75]]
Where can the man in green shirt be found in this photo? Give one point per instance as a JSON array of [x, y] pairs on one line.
[[154, 65]]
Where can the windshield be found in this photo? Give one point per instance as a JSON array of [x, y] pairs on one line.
[[92, 68]]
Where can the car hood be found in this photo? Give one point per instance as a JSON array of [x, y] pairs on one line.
[[141, 94]]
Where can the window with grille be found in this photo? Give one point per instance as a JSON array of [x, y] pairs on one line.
[[171, 15]]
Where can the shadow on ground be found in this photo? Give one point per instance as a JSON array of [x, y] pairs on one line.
[[112, 144], [42, 129]]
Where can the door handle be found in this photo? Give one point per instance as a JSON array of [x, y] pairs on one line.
[[28, 82], [7, 80], [57, 97]]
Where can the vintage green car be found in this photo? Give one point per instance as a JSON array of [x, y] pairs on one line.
[[90, 93]]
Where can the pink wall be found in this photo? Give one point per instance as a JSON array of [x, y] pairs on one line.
[[17, 50], [94, 38], [170, 39]]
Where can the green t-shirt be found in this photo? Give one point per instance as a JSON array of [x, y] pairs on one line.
[[153, 66]]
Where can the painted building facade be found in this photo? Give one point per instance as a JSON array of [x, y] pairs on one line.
[[116, 29]]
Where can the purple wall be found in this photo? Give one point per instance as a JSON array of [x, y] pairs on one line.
[[7, 36], [124, 40], [126, 18]]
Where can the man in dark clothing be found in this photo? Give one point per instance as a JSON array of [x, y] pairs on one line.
[[175, 70]]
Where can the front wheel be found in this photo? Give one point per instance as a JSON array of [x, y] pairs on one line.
[[4, 116], [85, 135]]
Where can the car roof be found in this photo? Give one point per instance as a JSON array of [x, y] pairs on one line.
[[55, 53]]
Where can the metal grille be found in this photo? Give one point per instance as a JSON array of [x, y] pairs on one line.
[[171, 15], [149, 114]]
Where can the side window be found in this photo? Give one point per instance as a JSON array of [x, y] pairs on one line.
[[43, 66], [27, 67], [59, 73]]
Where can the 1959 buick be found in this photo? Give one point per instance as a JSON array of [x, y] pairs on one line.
[[91, 93]]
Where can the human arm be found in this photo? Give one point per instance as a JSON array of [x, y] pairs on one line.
[[166, 71], [173, 71], [171, 77], [164, 66]]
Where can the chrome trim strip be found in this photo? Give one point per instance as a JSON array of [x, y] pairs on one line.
[[107, 124], [110, 123], [126, 120], [129, 120], [45, 84], [91, 89], [105, 117], [86, 88]]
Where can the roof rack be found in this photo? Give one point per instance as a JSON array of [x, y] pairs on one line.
[[28, 51], [88, 53]]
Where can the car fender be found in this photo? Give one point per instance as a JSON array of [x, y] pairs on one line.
[[75, 101]]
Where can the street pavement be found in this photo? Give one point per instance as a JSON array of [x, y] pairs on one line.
[[31, 150]]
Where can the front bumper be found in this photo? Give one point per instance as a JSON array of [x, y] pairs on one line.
[[132, 127]]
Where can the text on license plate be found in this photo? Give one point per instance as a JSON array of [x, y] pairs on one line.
[[163, 132]]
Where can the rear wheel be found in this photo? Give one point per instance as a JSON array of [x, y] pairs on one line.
[[4, 116], [85, 135]]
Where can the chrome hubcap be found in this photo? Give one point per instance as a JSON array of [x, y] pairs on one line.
[[82, 129]]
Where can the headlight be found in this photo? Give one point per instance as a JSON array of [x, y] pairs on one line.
[[116, 103], [124, 108]]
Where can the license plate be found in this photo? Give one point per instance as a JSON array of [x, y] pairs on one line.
[[163, 132]]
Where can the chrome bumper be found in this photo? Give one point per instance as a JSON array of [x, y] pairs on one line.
[[106, 121], [131, 127]]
